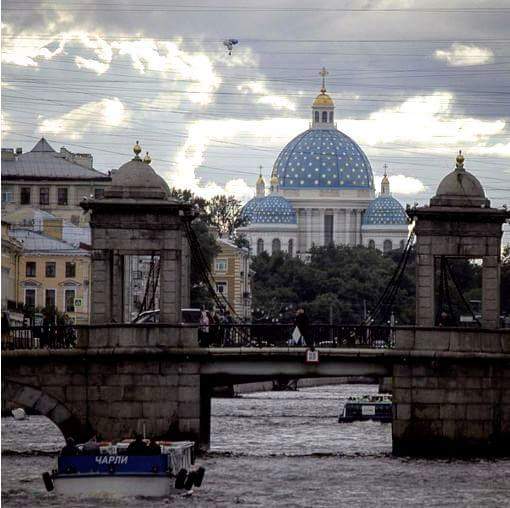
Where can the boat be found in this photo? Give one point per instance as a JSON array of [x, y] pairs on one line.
[[368, 407], [113, 472]]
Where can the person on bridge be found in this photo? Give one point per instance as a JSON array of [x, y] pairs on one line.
[[303, 325], [69, 449], [137, 446], [203, 330]]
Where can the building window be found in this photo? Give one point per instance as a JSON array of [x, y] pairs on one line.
[[30, 269], [30, 297], [331, 117], [50, 298], [387, 245], [25, 196], [98, 193], [69, 296], [402, 244], [371, 244], [51, 269], [316, 117], [328, 229], [221, 287], [44, 196], [260, 246], [324, 117], [221, 265], [276, 246], [7, 194], [62, 196], [70, 269], [291, 247]]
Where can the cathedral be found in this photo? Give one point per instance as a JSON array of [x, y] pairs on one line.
[[321, 192]]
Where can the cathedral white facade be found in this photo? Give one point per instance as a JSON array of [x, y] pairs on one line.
[[322, 192]]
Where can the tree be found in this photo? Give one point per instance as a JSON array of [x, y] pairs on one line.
[[199, 292], [344, 279], [224, 213]]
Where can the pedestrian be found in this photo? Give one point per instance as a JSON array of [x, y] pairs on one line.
[[153, 448], [69, 449], [203, 329], [228, 321], [214, 332], [137, 446], [303, 325]]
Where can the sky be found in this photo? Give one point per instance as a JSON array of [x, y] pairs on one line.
[[413, 82]]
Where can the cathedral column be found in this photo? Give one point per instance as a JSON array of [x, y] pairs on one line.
[[348, 226], [320, 229], [336, 224], [308, 228]]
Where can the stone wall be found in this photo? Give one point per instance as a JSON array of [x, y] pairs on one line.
[[451, 393]]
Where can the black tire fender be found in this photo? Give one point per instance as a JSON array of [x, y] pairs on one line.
[[48, 481], [180, 479]]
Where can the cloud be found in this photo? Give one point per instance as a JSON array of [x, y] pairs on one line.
[[464, 54], [202, 133], [424, 122], [265, 97], [18, 49], [110, 113], [6, 126], [167, 57], [92, 65], [401, 184]]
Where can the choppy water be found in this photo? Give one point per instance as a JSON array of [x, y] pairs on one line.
[[279, 449]]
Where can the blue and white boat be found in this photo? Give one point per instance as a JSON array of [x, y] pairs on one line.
[[113, 472]]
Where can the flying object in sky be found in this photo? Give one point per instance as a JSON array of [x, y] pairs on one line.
[[229, 44]]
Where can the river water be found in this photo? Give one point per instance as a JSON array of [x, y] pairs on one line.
[[280, 449]]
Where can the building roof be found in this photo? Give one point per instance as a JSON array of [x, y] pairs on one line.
[[43, 163], [37, 243], [385, 210], [323, 159]]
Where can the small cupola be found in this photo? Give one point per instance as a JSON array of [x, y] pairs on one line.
[[323, 108], [260, 186], [385, 183]]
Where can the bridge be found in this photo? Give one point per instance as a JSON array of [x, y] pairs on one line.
[[451, 386]]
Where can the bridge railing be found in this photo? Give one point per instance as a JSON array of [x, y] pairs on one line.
[[282, 335], [225, 335], [39, 337]]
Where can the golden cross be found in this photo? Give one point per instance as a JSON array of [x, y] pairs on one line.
[[323, 73]]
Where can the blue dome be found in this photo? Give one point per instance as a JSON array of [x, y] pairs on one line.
[[249, 207], [272, 209], [385, 210], [323, 159]]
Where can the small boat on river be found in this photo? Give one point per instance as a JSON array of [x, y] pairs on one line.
[[113, 472], [369, 407]]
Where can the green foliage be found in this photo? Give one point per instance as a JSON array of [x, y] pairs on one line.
[[224, 213], [343, 278]]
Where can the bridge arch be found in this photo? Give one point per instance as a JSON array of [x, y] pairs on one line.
[[35, 399]]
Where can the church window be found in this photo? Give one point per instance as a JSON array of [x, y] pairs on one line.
[[387, 245], [276, 246], [328, 229], [317, 117], [260, 246], [291, 247], [371, 244], [331, 117], [324, 117]]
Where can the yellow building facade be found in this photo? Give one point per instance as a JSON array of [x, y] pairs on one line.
[[232, 276]]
